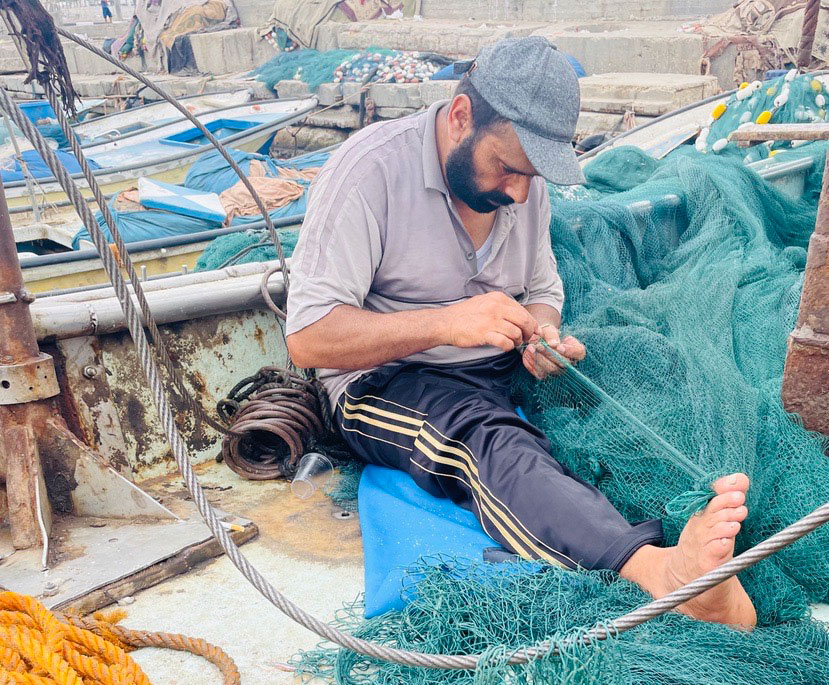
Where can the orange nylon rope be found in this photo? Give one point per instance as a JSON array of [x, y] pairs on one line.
[[38, 647]]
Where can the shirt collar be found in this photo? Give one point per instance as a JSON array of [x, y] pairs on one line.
[[432, 171]]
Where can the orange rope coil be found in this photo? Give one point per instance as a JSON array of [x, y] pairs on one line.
[[38, 647]]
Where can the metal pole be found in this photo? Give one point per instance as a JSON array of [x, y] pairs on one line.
[[807, 33], [23, 168], [18, 341]]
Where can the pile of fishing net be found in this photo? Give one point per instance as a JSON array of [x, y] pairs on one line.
[[683, 279], [787, 99], [335, 66], [245, 247]]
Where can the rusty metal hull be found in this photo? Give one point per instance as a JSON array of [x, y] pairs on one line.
[[806, 378]]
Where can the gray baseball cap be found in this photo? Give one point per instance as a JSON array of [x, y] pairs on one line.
[[530, 83]]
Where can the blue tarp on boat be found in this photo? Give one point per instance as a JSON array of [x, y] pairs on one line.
[[210, 173], [10, 167]]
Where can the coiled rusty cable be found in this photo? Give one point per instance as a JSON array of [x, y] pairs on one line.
[[276, 415]]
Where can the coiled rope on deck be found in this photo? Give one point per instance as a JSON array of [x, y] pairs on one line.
[[38, 647], [408, 657]]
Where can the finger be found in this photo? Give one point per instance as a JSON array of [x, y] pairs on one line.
[[546, 354], [496, 339], [547, 364], [511, 331], [517, 315], [529, 363], [551, 335], [574, 349]]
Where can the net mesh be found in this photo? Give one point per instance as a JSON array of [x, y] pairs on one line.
[[683, 280]]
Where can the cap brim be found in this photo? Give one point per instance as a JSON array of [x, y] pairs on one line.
[[554, 160]]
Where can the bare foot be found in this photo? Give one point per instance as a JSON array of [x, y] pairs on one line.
[[706, 542]]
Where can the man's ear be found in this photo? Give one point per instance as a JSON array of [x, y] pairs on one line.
[[459, 118]]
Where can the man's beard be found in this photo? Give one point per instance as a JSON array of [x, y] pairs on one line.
[[460, 175]]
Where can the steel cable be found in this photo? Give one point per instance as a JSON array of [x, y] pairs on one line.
[[280, 254], [406, 657], [162, 352]]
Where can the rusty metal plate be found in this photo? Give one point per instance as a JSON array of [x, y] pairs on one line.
[[27, 381]]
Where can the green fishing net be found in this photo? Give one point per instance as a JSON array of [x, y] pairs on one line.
[[466, 608], [683, 279], [787, 99], [245, 247], [312, 66]]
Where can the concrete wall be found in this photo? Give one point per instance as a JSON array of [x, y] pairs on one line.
[[232, 51], [570, 10], [254, 13]]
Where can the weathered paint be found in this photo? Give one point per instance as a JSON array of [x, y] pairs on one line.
[[168, 260], [806, 375], [86, 397], [213, 353]]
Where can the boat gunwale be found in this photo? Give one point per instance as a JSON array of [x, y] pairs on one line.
[[249, 133], [150, 129]]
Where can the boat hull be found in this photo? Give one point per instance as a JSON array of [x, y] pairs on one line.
[[172, 169]]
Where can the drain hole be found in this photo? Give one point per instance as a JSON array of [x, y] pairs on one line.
[[5, 384]]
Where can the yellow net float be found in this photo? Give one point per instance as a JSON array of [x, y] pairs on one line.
[[719, 110], [764, 117]]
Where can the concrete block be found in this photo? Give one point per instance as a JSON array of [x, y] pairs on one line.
[[329, 93], [648, 94], [231, 51], [681, 88], [351, 90], [292, 89], [633, 48], [396, 95], [568, 10], [307, 138], [433, 91], [394, 112], [446, 38], [345, 117], [597, 122]]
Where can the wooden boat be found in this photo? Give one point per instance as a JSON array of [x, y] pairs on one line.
[[663, 134], [220, 331], [166, 152], [122, 124]]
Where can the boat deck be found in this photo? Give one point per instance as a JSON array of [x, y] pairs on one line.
[[308, 553], [302, 548]]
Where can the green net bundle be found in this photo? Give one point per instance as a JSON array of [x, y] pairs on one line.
[[245, 247], [787, 99], [468, 608], [684, 306], [336, 66]]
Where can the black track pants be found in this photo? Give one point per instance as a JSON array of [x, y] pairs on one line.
[[455, 431]]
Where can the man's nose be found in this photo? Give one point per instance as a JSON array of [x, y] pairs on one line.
[[518, 188]]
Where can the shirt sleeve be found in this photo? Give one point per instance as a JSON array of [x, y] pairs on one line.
[[336, 256], [546, 286]]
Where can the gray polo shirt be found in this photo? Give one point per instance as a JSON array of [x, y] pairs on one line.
[[381, 233]]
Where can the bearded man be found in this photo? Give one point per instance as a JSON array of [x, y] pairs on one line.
[[424, 277]]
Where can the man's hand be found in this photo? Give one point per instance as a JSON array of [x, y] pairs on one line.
[[538, 360], [491, 319]]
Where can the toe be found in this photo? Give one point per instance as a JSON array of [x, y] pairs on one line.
[[725, 529], [736, 481], [719, 549], [727, 500], [728, 514]]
